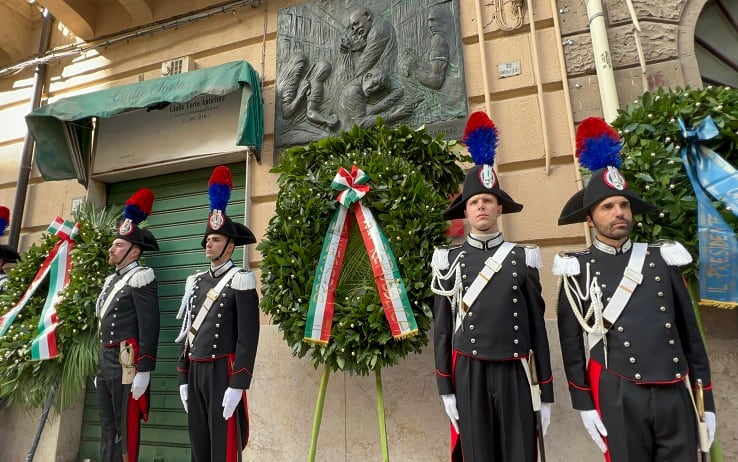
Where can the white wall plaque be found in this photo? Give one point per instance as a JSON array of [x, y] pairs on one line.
[[508, 69]]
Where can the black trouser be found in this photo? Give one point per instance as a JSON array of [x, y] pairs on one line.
[[496, 418], [647, 423], [209, 438], [110, 399]]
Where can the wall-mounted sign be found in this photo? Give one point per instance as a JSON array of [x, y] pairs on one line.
[[508, 69], [200, 127]]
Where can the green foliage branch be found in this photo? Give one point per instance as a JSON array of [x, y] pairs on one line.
[[412, 175], [652, 162], [28, 382]]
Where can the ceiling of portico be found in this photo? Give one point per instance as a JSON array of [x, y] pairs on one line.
[[81, 20]]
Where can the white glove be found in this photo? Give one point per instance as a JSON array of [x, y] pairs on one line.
[[231, 398], [710, 422], [449, 402], [595, 428], [545, 417], [183, 394], [140, 383]]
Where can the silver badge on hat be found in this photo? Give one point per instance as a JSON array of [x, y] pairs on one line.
[[614, 179], [126, 227], [487, 176], [215, 220]]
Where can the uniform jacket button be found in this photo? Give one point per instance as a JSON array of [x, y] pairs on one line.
[[474, 352], [637, 376]]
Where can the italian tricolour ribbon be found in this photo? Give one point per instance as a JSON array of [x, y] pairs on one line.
[[713, 178], [57, 264], [392, 293]]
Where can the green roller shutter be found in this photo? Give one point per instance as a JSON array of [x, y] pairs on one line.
[[178, 220]]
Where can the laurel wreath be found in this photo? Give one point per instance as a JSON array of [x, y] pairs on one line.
[[652, 162], [412, 175], [27, 382]]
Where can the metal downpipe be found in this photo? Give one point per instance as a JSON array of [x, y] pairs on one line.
[[26, 161]]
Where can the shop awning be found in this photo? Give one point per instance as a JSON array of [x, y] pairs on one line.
[[63, 129]]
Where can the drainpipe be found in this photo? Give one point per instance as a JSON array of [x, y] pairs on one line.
[[569, 112], [26, 162], [539, 86], [602, 59], [483, 58]]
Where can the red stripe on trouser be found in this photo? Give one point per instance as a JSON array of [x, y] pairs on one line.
[[233, 444], [137, 409], [456, 454], [595, 371]]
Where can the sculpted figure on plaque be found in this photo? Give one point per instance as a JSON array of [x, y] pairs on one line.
[[430, 70], [370, 42], [371, 95], [302, 86]]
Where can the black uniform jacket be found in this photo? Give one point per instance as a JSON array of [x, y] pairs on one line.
[[504, 323], [656, 339], [133, 313], [230, 328]]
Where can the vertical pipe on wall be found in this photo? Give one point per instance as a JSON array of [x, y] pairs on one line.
[[639, 47], [539, 87], [567, 101], [483, 58], [602, 59], [26, 161]]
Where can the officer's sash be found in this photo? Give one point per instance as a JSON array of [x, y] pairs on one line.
[[491, 266], [116, 288], [210, 298], [632, 277]]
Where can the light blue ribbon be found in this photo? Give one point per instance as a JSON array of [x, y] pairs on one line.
[[718, 247]]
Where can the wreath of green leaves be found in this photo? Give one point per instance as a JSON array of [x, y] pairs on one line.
[[28, 382], [412, 175], [652, 161]]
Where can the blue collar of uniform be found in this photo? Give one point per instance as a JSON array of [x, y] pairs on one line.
[[485, 241], [218, 271], [599, 245], [127, 268]]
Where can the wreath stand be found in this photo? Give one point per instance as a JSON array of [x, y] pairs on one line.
[[318, 417]]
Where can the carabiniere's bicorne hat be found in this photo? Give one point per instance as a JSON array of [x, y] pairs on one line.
[[7, 253], [480, 138], [136, 210], [219, 192], [598, 150]]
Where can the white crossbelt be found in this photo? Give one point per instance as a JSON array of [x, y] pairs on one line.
[[116, 288], [632, 278], [210, 298], [491, 266]]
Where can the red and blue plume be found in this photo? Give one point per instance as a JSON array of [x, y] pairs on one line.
[[219, 188], [480, 138], [138, 206], [4, 218], [598, 145]]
